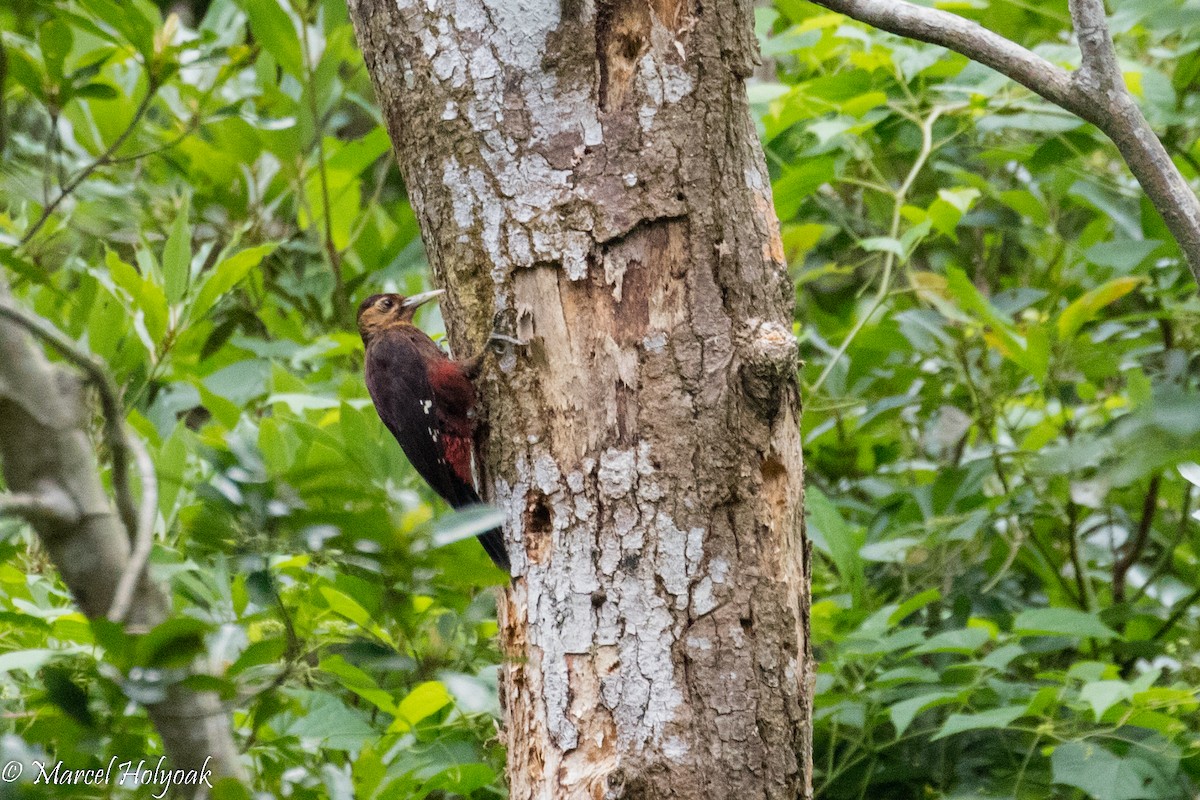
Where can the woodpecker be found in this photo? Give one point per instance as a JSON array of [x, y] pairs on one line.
[[426, 399]]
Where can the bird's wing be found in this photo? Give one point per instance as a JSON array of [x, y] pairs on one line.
[[400, 388]]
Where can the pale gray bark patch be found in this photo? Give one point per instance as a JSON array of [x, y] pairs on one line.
[[588, 177]]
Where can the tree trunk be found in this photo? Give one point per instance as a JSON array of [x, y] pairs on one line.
[[588, 178]]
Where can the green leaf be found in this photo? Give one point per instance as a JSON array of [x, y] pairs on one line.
[[1001, 657], [68, 695], [359, 682], [832, 535], [1107, 776], [992, 718], [267, 651], [177, 255], [914, 604], [27, 72], [903, 713], [170, 464], [460, 780], [885, 244], [55, 38], [1103, 695], [325, 718], [345, 196], [28, 660], [422, 702], [950, 206], [1121, 255], [1085, 308], [1061, 622], [1000, 332], [346, 606], [799, 182], [173, 643], [97, 91], [133, 20], [355, 156], [147, 297], [963, 641], [227, 274], [275, 31], [866, 641]]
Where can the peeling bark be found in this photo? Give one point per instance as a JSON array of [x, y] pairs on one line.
[[588, 177]]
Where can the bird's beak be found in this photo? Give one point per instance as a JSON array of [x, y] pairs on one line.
[[421, 299]]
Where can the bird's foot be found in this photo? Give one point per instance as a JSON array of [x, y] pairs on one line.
[[504, 338]]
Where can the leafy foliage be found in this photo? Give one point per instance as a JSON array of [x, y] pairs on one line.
[[1002, 389], [1001, 413], [196, 202]]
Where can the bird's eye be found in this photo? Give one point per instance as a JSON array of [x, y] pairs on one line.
[[386, 304]]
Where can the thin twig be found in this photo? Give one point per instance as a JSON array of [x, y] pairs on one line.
[[110, 404], [1181, 608], [889, 259], [144, 542], [3, 109], [1168, 552], [1014, 549], [1133, 549], [331, 251], [102, 160], [365, 218], [194, 124], [1076, 558]]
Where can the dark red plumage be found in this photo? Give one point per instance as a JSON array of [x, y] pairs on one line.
[[426, 400]]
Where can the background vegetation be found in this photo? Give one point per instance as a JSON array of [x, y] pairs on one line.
[[1002, 420]]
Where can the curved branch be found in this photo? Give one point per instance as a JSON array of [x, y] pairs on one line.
[[110, 404], [1096, 93], [969, 39], [144, 541]]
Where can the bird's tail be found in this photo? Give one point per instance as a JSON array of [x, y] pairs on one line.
[[493, 543]]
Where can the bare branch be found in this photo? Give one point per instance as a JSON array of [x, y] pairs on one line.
[[144, 542], [1099, 70], [1132, 550], [1095, 93], [110, 403], [971, 40]]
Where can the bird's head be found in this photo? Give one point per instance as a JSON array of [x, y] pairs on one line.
[[381, 311]]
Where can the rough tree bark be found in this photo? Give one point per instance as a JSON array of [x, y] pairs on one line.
[[50, 470], [588, 177]]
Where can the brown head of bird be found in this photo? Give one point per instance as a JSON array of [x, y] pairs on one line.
[[382, 311]]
